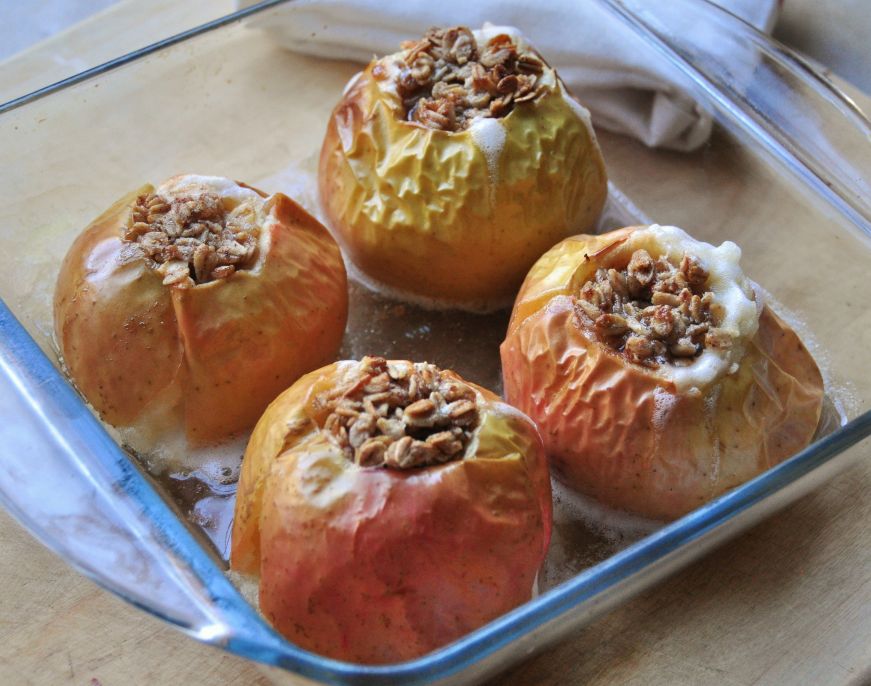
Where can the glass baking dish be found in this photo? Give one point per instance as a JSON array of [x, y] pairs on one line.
[[786, 176]]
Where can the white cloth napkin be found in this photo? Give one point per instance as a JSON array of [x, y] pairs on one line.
[[627, 88]]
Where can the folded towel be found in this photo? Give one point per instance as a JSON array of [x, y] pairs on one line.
[[627, 87]]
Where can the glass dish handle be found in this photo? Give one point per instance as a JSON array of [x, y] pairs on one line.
[[766, 93]]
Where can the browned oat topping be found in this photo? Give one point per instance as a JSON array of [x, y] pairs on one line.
[[653, 311], [191, 240], [447, 83], [400, 415]]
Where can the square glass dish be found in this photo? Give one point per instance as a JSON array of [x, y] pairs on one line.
[[785, 176]]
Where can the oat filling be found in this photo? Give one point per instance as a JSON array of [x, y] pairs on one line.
[[446, 82], [400, 415], [653, 312], [193, 239]]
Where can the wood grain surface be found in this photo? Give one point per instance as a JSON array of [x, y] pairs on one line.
[[789, 602]]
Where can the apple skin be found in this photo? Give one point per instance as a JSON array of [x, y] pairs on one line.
[[203, 361], [376, 565], [410, 204], [621, 433]]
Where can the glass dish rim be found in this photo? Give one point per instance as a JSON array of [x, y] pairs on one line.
[[257, 641], [262, 644]]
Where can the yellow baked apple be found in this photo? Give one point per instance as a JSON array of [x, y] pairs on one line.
[[449, 167]]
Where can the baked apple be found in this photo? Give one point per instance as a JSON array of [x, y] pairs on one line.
[[388, 508], [449, 167], [657, 375], [184, 310]]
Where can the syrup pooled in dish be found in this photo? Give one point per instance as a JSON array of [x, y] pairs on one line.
[[656, 376], [183, 310], [421, 501], [464, 143]]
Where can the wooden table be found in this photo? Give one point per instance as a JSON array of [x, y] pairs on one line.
[[787, 603]]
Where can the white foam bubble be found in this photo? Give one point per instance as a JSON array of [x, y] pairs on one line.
[[710, 402], [663, 403], [488, 135], [393, 66], [181, 186], [213, 461], [170, 452]]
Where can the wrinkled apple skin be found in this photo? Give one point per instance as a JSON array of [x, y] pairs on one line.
[[206, 360], [379, 565], [421, 211], [623, 435]]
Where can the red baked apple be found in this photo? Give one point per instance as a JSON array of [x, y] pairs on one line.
[[658, 376], [388, 508]]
